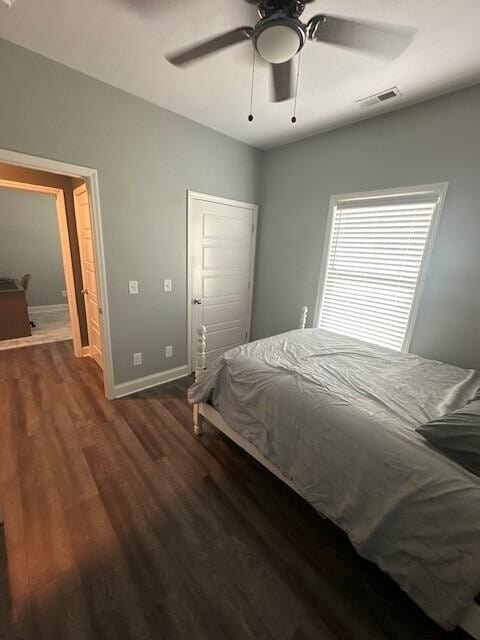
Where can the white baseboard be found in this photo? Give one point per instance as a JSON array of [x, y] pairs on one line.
[[48, 307], [139, 384]]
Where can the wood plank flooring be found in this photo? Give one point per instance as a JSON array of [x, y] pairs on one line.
[[119, 524]]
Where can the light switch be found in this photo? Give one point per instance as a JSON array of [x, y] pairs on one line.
[[133, 287], [167, 285], [137, 359], [169, 351]]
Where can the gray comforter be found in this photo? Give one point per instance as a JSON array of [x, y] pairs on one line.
[[337, 417]]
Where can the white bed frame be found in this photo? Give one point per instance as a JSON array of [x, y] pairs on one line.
[[471, 622]]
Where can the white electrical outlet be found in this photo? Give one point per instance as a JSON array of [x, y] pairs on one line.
[[64, 293], [133, 287], [167, 285], [169, 351], [137, 359]]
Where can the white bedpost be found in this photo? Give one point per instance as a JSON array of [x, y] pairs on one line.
[[303, 318], [197, 427], [200, 366]]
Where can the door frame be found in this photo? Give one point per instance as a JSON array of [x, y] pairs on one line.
[[90, 176], [88, 349], [197, 195]]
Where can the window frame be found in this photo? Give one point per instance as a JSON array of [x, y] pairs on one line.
[[440, 189]]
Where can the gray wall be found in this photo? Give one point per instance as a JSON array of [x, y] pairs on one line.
[[435, 141], [146, 158], [30, 243]]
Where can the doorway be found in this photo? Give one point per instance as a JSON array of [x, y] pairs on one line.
[[221, 258], [74, 191], [37, 263]]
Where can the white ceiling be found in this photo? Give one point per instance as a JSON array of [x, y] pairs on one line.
[[122, 42]]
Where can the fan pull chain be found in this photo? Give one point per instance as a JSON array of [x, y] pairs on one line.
[[250, 117], [294, 117]]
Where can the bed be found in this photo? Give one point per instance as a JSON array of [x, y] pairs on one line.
[[335, 418]]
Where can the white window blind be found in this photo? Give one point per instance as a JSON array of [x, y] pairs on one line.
[[376, 251]]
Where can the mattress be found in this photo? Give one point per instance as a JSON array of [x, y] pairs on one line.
[[337, 417]]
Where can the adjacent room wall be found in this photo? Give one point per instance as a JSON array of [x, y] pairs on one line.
[[30, 243], [437, 141], [147, 158]]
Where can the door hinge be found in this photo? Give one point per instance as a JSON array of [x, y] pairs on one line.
[[253, 228], [246, 335], [249, 284]]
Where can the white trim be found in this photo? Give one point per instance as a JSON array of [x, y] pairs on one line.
[[440, 189], [97, 227], [91, 178], [139, 384], [220, 200], [323, 266], [45, 164], [196, 195], [48, 307]]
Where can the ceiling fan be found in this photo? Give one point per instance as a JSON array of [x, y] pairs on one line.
[[279, 35]]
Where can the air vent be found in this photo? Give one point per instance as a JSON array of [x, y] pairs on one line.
[[389, 94]]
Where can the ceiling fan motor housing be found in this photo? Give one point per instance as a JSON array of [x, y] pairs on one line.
[[292, 8], [279, 38]]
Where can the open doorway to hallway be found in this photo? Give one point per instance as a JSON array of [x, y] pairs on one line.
[[48, 282]]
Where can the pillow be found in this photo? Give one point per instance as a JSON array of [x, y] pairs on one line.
[[457, 434]]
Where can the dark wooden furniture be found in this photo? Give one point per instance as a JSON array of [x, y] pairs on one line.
[[14, 322]]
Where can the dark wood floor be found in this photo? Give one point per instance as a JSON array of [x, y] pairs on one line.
[[120, 524]]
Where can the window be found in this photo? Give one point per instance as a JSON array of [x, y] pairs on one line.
[[377, 249]]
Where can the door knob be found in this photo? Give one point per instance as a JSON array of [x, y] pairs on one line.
[[197, 301]]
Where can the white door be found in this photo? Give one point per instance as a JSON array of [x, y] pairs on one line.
[[87, 258], [222, 237]]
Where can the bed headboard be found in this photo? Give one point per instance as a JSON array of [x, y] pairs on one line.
[[201, 355]]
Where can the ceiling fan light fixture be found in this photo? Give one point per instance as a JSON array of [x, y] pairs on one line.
[[278, 43]]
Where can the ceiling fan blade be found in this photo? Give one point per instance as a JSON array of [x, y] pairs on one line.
[[201, 49], [373, 38], [282, 81]]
